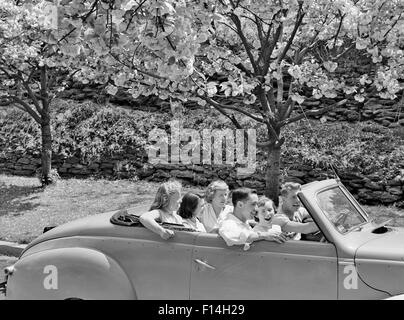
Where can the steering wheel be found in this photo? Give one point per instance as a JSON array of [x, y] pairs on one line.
[[315, 236], [341, 218]]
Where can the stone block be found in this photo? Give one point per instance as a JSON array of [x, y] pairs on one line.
[[385, 197], [107, 165], [78, 171], [394, 182], [24, 161], [373, 186], [253, 184], [296, 173], [162, 174], [293, 179], [73, 160], [29, 167], [353, 185], [94, 166], [196, 168], [397, 191], [365, 194], [166, 166], [22, 172], [182, 174]]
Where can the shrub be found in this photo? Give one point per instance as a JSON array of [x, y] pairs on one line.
[[346, 146]]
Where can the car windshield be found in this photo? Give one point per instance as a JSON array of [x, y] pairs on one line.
[[339, 210]]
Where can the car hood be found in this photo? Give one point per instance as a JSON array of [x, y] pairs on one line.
[[380, 262]]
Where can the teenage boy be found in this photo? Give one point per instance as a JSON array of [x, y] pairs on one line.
[[291, 216]]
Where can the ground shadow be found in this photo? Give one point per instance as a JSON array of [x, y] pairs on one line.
[[15, 200]]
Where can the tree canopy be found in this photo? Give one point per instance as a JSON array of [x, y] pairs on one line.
[[255, 58]]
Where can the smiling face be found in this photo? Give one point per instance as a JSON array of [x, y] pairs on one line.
[[248, 207], [290, 201], [266, 212]]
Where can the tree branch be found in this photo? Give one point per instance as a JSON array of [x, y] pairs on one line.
[[246, 45], [275, 39], [231, 117], [339, 27], [299, 19], [32, 96], [271, 99], [289, 104], [216, 104], [312, 42], [137, 69], [392, 26], [344, 52], [24, 106], [279, 91]]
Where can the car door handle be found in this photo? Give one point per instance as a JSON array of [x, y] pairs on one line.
[[203, 263]]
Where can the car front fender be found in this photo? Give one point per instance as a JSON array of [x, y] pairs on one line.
[[67, 273]]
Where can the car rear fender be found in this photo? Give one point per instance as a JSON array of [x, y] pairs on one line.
[[66, 273]]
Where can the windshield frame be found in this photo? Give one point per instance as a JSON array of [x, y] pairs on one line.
[[353, 202]]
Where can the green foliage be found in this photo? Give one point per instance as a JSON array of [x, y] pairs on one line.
[[84, 130], [19, 131], [361, 147], [96, 131]]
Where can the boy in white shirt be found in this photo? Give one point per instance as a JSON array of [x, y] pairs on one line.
[[291, 216]]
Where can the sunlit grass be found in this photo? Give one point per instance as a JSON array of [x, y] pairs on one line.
[[383, 213], [25, 208]]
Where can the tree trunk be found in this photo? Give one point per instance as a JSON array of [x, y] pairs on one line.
[[46, 178], [273, 173], [46, 151]]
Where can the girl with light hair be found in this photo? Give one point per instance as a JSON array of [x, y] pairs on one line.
[[215, 207], [164, 207]]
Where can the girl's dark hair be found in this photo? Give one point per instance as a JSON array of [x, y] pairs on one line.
[[188, 205]]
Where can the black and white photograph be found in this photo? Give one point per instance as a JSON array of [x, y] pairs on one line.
[[201, 154]]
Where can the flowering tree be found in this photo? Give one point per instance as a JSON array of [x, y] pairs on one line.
[[35, 61], [250, 58]]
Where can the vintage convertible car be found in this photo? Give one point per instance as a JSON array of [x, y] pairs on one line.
[[111, 256]]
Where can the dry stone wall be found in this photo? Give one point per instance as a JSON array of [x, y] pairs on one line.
[[389, 113], [367, 189]]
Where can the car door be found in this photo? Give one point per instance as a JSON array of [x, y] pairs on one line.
[[268, 270], [158, 269]]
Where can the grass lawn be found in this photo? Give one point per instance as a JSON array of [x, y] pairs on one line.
[[25, 208]]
